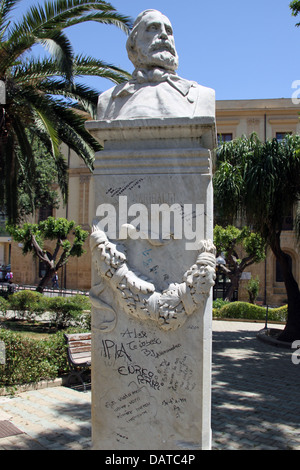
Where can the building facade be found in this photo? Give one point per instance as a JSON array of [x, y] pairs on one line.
[[267, 118]]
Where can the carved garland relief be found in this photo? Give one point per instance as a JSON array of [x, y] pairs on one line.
[[170, 308]]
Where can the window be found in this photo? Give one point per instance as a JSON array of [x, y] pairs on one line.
[[222, 138], [281, 135], [287, 223], [45, 212]]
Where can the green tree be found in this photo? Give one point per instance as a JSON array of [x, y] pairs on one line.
[[241, 248], [262, 184], [42, 97], [295, 7], [69, 240], [43, 190], [253, 289]]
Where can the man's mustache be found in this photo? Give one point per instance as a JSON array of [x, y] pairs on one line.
[[163, 46]]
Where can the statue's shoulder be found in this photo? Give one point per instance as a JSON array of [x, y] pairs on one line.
[[103, 101], [206, 100], [203, 90]]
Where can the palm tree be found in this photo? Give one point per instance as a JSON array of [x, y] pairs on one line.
[[42, 97], [262, 184]]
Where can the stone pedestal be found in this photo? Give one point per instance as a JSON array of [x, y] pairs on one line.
[[151, 340]]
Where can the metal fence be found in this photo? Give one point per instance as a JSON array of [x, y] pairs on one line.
[[5, 289]]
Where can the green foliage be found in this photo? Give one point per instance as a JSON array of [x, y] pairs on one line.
[[50, 229], [63, 311], [228, 238], [24, 235], [4, 305], [219, 303], [268, 183], [253, 289], [295, 7], [32, 237], [27, 304], [229, 178], [247, 311], [29, 360], [241, 248], [38, 193], [268, 191], [66, 311], [42, 96]]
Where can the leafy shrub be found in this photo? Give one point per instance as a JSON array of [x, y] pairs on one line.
[[253, 289], [278, 314], [27, 303], [83, 301], [247, 311], [4, 305], [219, 303], [29, 360], [66, 311]]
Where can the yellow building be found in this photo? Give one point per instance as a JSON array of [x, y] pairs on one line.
[[268, 118]]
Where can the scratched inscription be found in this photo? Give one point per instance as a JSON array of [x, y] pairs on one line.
[[130, 406], [170, 375], [117, 191]]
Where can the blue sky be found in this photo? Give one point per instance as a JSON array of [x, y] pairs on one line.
[[244, 50]]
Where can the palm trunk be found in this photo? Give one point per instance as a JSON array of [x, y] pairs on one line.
[[291, 331]]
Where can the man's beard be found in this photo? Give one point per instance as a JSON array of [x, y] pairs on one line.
[[160, 54]]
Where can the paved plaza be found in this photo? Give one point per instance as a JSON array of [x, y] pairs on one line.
[[255, 401]]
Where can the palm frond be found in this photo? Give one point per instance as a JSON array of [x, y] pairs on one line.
[[86, 65], [76, 142], [35, 69], [6, 9], [109, 18], [77, 94], [43, 96], [56, 42], [54, 15], [25, 147], [45, 23], [60, 49], [51, 131]]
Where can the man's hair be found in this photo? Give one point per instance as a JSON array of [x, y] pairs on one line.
[[131, 41], [130, 44]]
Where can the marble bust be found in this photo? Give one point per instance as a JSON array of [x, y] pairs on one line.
[[155, 90]]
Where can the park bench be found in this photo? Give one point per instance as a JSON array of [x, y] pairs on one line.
[[79, 355]]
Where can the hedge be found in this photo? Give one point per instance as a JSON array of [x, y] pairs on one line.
[[247, 311], [63, 311], [27, 304], [28, 360]]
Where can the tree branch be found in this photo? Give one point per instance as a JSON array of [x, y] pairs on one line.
[[41, 254]]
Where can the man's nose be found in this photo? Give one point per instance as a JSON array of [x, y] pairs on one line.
[[163, 33]]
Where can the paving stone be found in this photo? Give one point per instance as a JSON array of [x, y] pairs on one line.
[[255, 401]]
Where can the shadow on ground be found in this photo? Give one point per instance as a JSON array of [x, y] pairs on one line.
[[256, 393], [73, 428]]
